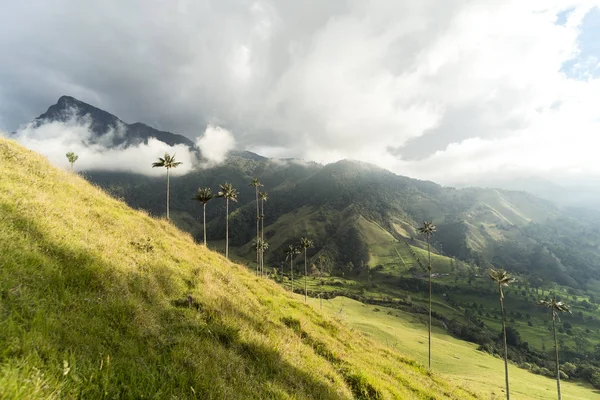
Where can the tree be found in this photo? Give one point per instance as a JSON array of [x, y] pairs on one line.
[[502, 278], [306, 244], [168, 162], [263, 197], [229, 193], [428, 229], [290, 252], [72, 157], [203, 195], [555, 308], [256, 184], [260, 245]]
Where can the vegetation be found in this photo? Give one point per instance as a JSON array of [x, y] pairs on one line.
[[255, 183], [555, 308], [502, 278], [168, 162], [263, 197], [228, 192], [203, 195], [102, 301], [291, 252], [305, 244], [428, 229], [72, 157]]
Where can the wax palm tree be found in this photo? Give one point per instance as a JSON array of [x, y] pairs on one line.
[[428, 229], [203, 195], [72, 157], [263, 197], [306, 243], [168, 162], [555, 308], [260, 246], [502, 278], [229, 193], [290, 252], [256, 184]]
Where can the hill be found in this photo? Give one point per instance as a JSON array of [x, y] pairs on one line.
[[102, 301], [342, 204]]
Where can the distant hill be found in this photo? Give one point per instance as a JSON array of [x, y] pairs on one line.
[[102, 301], [345, 205]]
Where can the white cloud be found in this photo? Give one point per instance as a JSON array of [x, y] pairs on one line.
[[215, 144], [55, 139], [455, 89]]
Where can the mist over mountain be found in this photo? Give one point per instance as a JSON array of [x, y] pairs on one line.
[[345, 205]]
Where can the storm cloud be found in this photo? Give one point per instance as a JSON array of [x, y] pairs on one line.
[[449, 91]]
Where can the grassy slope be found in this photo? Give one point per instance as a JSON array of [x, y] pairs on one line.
[[458, 360], [88, 311]]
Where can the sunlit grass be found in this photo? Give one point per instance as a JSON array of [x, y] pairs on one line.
[[101, 301]]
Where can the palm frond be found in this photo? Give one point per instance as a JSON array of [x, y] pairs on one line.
[[427, 229], [203, 195]]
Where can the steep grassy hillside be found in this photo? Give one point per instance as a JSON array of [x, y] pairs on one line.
[[101, 301]]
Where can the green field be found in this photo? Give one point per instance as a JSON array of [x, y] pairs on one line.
[[455, 360]]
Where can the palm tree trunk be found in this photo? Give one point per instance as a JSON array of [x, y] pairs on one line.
[[227, 228], [292, 272], [257, 235], [71, 167], [204, 224], [556, 354], [168, 193], [505, 345], [305, 277], [429, 269], [262, 235]]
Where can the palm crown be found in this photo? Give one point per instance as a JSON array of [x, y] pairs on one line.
[[168, 162], [203, 195], [228, 192], [306, 243], [556, 306], [291, 251], [427, 229], [501, 277], [264, 196], [72, 157], [255, 182]]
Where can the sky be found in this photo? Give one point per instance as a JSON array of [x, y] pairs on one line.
[[456, 91]]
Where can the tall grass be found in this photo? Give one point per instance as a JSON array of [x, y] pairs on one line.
[[100, 301]]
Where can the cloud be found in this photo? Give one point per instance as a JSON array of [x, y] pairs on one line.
[[449, 90], [55, 139], [215, 144]]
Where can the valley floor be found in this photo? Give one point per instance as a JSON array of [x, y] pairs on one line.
[[458, 361]]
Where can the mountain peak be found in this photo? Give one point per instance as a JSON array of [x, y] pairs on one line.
[[101, 122]]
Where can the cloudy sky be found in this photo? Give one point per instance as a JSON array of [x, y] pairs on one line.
[[453, 91]]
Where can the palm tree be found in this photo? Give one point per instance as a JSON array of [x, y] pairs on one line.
[[428, 229], [263, 197], [168, 162], [306, 243], [555, 307], [502, 278], [229, 193], [260, 246], [256, 184], [203, 195], [290, 252], [72, 157]]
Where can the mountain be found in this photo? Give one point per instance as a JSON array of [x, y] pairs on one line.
[[101, 123], [343, 206], [101, 301]]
